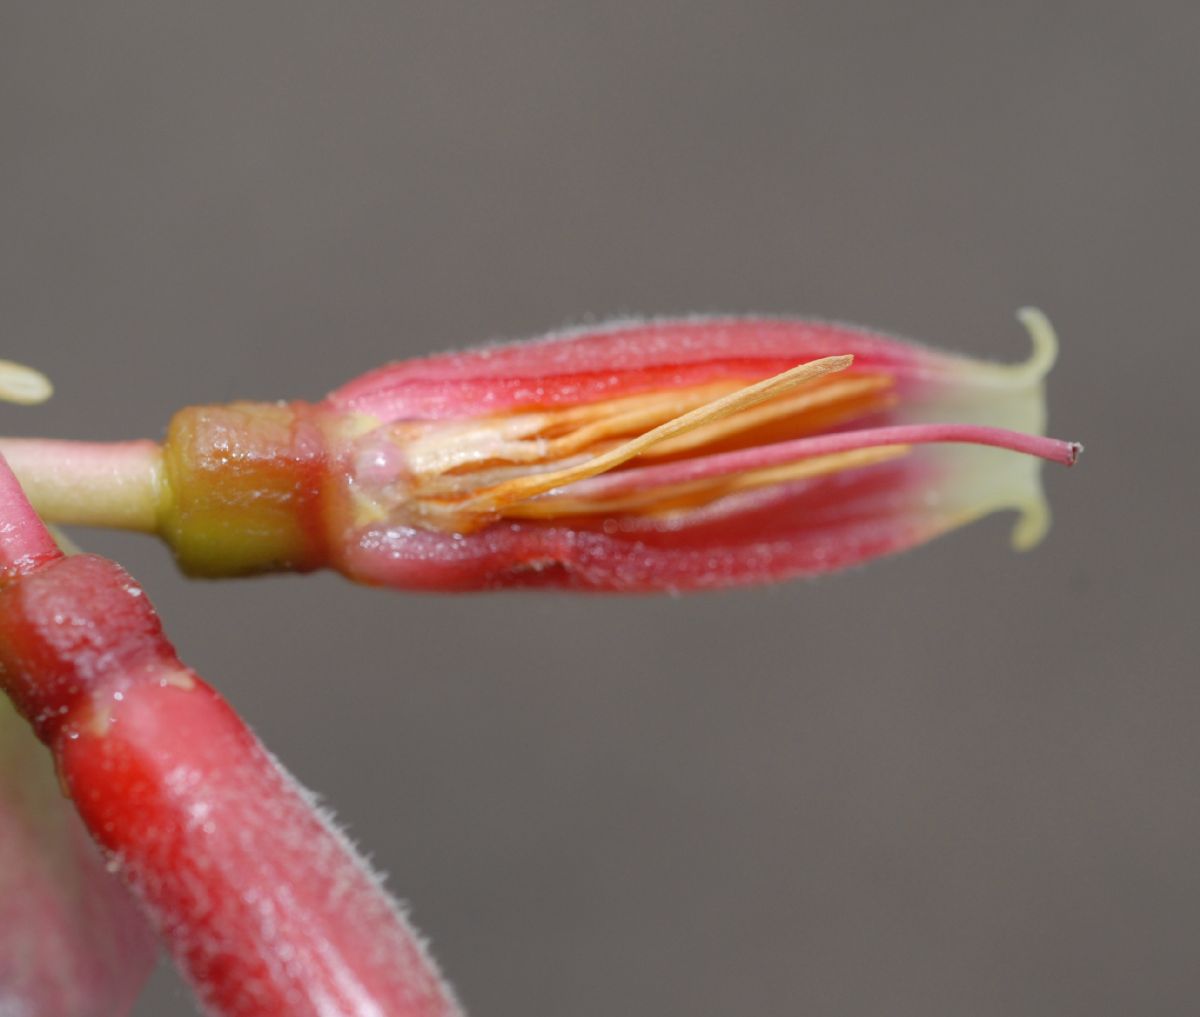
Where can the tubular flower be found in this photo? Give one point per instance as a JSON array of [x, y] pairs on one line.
[[640, 456], [265, 905]]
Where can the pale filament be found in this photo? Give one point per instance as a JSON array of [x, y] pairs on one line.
[[437, 449], [463, 475]]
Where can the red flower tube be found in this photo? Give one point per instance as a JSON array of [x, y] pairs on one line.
[[641, 456], [264, 904]]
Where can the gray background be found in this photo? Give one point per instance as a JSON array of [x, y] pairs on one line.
[[960, 782]]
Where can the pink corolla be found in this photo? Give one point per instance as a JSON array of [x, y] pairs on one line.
[[638, 456]]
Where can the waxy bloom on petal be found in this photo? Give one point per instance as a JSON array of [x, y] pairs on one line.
[[638, 456]]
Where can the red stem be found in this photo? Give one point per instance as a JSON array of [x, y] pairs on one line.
[[265, 905]]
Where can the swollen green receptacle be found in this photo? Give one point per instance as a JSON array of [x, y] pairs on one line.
[[242, 489]]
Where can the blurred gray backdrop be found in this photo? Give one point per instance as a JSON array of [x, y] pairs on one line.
[[962, 781]]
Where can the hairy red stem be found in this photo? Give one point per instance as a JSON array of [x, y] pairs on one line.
[[264, 903]]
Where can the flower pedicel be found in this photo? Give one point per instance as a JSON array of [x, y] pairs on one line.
[[635, 457]]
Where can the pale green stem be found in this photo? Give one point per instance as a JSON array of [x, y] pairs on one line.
[[80, 483]]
